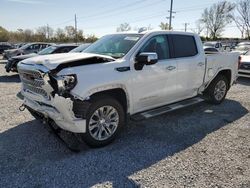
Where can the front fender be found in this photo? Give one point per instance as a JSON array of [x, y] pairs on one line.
[[104, 88]]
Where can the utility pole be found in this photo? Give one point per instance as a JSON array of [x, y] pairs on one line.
[[171, 15], [186, 24], [75, 29], [48, 31]]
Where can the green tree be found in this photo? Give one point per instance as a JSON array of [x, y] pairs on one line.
[[90, 38], [164, 26], [123, 27], [4, 35]]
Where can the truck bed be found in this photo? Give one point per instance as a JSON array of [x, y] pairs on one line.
[[221, 61]]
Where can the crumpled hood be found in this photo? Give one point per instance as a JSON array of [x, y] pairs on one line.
[[54, 60]]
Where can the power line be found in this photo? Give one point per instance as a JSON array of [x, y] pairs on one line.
[[196, 7], [111, 12], [61, 23], [135, 21], [117, 9], [121, 11]]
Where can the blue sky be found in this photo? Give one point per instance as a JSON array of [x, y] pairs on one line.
[[101, 17]]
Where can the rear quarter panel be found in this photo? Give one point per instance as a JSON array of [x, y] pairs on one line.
[[222, 61]]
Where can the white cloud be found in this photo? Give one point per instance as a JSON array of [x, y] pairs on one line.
[[26, 1]]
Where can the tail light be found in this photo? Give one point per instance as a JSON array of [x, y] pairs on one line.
[[239, 62]]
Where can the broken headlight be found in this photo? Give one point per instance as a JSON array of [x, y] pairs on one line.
[[66, 82]]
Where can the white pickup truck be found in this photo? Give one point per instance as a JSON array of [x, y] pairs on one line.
[[123, 76]]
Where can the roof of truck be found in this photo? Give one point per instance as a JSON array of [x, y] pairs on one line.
[[157, 31]]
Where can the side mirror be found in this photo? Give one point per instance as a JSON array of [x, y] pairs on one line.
[[145, 58]]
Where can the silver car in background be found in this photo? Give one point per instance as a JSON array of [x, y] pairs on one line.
[[26, 49]]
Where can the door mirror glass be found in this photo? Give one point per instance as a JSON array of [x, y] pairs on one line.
[[145, 58]]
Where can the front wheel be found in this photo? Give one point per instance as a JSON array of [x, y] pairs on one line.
[[104, 121], [217, 90]]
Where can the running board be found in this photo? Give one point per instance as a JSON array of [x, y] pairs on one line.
[[165, 109]]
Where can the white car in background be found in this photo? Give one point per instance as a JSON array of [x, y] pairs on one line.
[[244, 68], [242, 49], [217, 45]]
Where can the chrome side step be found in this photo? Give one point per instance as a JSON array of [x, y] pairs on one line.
[[167, 108]]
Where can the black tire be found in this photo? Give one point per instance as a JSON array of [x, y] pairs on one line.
[[210, 91], [36, 115], [97, 103]]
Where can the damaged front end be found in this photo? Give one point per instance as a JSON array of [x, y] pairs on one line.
[[49, 95]]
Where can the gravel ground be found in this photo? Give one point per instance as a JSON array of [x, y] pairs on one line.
[[201, 146]]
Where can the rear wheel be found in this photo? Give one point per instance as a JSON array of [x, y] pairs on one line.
[[217, 90], [104, 121]]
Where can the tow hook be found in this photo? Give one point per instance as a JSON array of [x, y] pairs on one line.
[[22, 107], [45, 120]]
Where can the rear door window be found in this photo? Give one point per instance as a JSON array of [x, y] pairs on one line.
[[183, 46], [64, 49]]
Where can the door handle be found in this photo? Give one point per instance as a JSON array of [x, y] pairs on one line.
[[201, 64], [170, 68]]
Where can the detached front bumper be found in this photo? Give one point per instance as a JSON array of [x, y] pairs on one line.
[[59, 109], [39, 95]]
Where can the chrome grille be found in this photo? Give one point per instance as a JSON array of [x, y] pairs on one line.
[[32, 81]]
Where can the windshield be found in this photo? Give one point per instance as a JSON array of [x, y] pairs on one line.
[[209, 44], [244, 43], [25, 46], [80, 48], [48, 50], [116, 46], [247, 53], [242, 48]]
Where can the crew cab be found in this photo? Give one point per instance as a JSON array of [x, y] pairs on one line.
[[124, 76]]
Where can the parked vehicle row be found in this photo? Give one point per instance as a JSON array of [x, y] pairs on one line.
[[25, 49], [210, 50], [123, 76], [243, 48], [244, 69], [12, 62], [5, 46], [11, 65], [216, 45]]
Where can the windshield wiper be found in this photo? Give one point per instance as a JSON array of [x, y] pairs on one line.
[[116, 57]]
